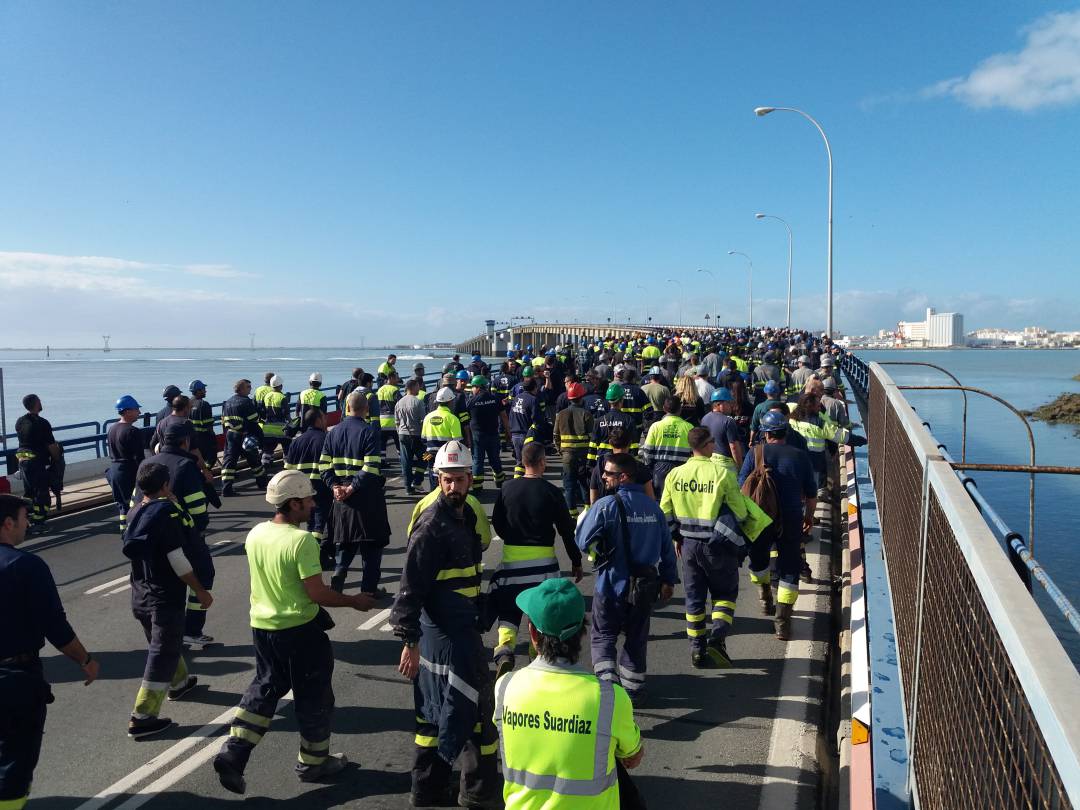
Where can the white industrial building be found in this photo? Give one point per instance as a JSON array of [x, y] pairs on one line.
[[940, 330]]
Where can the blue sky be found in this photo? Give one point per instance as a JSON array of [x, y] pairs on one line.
[[183, 174]]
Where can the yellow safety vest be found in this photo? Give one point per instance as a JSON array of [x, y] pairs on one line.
[[560, 730]]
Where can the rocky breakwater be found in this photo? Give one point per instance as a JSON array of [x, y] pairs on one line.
[[1063, 410]]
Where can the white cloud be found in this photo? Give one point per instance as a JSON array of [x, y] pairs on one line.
[[1044, 73], [24, 262]]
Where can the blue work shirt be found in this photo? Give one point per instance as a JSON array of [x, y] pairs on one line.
[[29, 604], [649, 541]]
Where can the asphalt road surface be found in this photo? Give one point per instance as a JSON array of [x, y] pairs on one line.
[[709, 735]]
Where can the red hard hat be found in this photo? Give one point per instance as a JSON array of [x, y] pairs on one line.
[[575, 391]]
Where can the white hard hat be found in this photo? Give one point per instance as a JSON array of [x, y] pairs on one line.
[[275, 382], [804, 359], [316, 377], [288, 484], [453, 455], [445, 395], [618, 369], [827, 360]]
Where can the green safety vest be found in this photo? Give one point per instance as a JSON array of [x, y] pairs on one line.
[[387, 395], [560, 730], [276, 400], [667, 442]]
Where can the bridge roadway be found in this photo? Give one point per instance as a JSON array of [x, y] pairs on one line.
[[745, 735]]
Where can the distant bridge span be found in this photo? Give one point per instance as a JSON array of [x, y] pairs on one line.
[[495, 341]]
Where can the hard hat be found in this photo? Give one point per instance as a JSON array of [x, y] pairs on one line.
[[550, 353], [528, 372], [288, 484], [127, 402], [618, 369], [804, 359], [417, 366], [772, 421], [829, 383], [615, 392], [170, 392], [476, 357], [510, 355], [251, 444], [720, 395], [575, 391], [316, 377], [453, 455], [827, 360], [529, 347], [480, 379], [196, 385], [772, 387], [445, 395], [462, 375], [655, 370], [275, 382]]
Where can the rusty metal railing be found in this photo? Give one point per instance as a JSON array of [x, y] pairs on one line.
[[990, 694]]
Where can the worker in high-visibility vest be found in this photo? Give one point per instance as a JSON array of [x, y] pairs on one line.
[[564, 733]]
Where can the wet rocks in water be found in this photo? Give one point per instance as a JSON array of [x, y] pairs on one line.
[[1064, 409]]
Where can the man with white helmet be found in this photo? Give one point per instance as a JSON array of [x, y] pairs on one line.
[[799, 377], [439, 427], [288, 628], [275, 413], [436, 615], [311, 397]]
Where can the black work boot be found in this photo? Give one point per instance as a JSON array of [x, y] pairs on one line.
[[334, 764], [230, 776], [782, 621], [768, 606]]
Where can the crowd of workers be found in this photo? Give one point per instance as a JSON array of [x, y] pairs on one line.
[[680, 453]]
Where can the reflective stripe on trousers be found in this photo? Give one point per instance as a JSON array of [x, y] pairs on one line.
[[601, 779]]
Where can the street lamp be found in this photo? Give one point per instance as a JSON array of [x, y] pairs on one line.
[[751, 264], [646, 299], [828, 151], [614, 317], [770, 216], [703, 270], [676, 281]]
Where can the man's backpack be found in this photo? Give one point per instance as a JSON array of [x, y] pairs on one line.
[[760, 487]]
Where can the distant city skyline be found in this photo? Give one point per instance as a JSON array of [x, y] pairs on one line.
[[404, 172]]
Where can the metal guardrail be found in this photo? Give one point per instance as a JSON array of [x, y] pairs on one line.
[[990, 695]]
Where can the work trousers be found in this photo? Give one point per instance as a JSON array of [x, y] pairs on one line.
[[454, 704], [517, 441], [509, 580], [486, 445], [206, 443], [324, 500], [575, 481], [121, 478], [35, 476], [203, 566], [612, 616], [234, 449], [788, 558], [387, 435], [270, 444], [299, 659], [165, 665], [412, 466], [24, 695], [370, 555], [710, 570]]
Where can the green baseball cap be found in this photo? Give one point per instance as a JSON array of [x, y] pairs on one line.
[[555, 607], [615, 392]]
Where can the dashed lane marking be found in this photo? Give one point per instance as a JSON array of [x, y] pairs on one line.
[[381, 616], [106, 585]]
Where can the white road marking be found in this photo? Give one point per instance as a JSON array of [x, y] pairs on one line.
[[162, 759], [222, 542], [374, 620], [118, 590], [222, 547], [106, 585], [185, 768], [386, 628]]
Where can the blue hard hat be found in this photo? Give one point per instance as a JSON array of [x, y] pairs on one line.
[[772, 387], [529, 347], [550, 353], [772, 421], [517, 346], [476, 357], [251, 444], [197, 385], [720, 395], [510, 355], [126, 402], [463, 375]]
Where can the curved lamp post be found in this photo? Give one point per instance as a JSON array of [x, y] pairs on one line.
[[750, 263], [770, 216]]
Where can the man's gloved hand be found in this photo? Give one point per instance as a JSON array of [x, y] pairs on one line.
[[856, 440]]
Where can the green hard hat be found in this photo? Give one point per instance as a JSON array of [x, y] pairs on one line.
[[480, 379], [615, 392], [528, 371]]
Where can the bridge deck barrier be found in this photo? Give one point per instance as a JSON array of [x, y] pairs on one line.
[[991, 698]]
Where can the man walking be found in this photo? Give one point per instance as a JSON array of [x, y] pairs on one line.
[[305, 454], [573, 428], [292, 650], [486, 417], [126, 452], [635, 560], [436, 616], [240, 420], [409, 413]]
